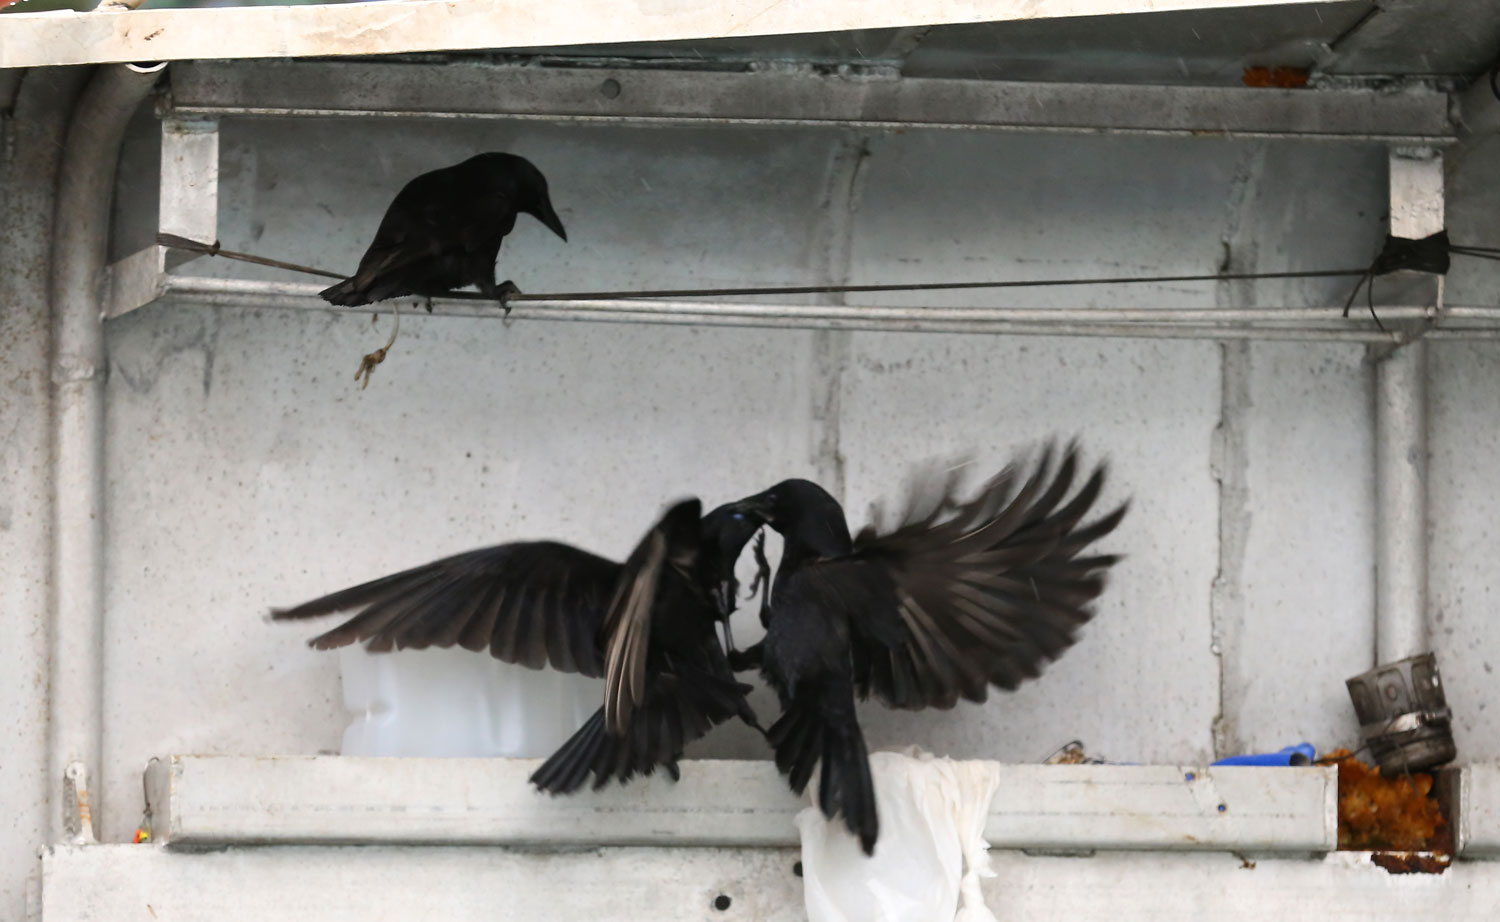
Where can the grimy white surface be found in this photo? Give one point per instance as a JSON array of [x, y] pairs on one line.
[[65, 37], [125, 883]]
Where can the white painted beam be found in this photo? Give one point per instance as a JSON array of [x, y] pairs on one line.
[[478, 90], [208, 801], [38, 39], [1479, 811], [1416, 193], [141, 883]]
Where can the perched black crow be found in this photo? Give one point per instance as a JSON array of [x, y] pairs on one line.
[[443, 232], [959, 597], [647, 627]]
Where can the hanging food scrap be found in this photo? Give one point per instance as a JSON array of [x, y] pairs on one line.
[[368, 363]]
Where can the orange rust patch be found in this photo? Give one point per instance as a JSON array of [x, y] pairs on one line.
[[1386, 814], [1411, 862], [1283, 77]]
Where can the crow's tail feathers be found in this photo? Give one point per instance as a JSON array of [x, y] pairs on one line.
[[804, 736], [344, 294], [680, 708]]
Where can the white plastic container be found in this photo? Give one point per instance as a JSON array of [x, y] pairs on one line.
[[454, 703]]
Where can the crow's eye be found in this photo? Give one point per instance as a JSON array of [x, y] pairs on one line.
[[738, 517]]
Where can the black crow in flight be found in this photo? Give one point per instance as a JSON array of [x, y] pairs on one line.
[[647, 627], [959, 597]]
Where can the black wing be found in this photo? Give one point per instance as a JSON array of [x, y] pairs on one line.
[[532, 603], [627, 629], [655, 577], [962, 596]]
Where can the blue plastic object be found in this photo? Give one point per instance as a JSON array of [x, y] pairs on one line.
[[1300, 754]]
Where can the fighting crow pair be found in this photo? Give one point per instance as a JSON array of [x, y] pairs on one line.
[[956, 597]]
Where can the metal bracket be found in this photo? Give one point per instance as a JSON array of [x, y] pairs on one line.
[[189, 203], [188, 207], [136, 281], [78, 818], [1416, 192], [1417, 210]]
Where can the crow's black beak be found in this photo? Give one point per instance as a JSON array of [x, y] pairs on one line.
[[547, 216], [757, 509]]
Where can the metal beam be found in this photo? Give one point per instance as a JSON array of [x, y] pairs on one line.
[[199, 801], [1318, 323], [1313, 323], [113, 35], [804, 98]]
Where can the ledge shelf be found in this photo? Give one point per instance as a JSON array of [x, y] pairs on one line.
[[200, 801]]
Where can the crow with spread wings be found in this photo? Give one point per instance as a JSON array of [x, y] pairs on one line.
[[647, 627], [960, 596]]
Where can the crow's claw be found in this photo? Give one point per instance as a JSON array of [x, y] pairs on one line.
[[503, 293]]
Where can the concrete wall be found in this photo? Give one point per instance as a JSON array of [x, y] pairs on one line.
[[1463, 509], [247, 469]]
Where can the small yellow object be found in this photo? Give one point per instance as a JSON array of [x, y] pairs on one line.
[[142, 834]]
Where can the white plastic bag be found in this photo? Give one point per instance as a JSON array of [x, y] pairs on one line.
[[453, 703], [930, 855]]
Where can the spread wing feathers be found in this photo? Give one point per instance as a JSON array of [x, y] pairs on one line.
[[982, 592], [627, 629], [682, 705], [533, 603]]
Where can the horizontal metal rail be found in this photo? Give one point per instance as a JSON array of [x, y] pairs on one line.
[[1279, 323], [801, 98]]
